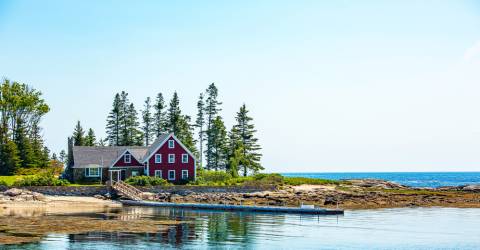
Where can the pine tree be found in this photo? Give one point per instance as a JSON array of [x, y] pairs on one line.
[[200, 123], [90, 139], [113, 122], [212, 108], [174, 115], [24, 146], [124, 120], [218, 158], [37, 146], [9, 159], [148, 122], [78, 135], [185, 133], [135, 135], [160, 117], [245, 132], [63, 157], [234, 152]]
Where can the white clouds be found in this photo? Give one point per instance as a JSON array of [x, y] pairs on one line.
[[472, 52]]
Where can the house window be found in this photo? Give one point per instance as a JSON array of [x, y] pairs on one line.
[[171, 158], [171, 175], [158, 158], [134, 173], [184, 174], [171, 144], [127, 158], [92, 172], [158, 173], [184, 158]]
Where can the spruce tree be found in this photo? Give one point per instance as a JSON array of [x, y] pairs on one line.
[[174, 114], [246, 133], [185, 133], [78, 135], [200, 123], [37, 146], [218, 158], [125, 122], [212, 108], [9, 159], [25, 151], [148, 122], [134, 134], [159, 117], [90, 139], [113, 122], [63, 157]]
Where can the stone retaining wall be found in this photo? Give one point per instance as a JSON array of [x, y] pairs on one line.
[[93, 190]]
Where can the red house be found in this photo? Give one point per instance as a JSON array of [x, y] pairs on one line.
[[166, 158]]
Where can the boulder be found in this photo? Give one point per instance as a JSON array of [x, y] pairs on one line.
[[99, 196], [15, 192], [471, 188], [147, 196]]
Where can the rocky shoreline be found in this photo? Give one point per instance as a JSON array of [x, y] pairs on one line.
[[350, 194]]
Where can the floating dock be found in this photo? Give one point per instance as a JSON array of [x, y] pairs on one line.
[[242, 208]]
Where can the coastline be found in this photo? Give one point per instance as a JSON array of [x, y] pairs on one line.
[[350, 194]]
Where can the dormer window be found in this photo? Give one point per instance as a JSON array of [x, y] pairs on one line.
[[127, 158], [171, 144]]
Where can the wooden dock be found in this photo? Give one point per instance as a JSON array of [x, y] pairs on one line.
[[240, 208]]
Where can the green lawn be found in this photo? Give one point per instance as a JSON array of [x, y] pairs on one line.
[[10, 179]]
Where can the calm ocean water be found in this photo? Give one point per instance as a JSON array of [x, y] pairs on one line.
[[403, 228], [413, 179]]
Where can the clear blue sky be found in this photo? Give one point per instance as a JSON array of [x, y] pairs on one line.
[[332, 86]]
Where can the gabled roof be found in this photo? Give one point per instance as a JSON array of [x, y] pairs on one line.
[[137, 152], [103, 156], [159, 143], [84, 156]]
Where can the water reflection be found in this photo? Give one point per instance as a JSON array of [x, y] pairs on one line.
[[374, 229]]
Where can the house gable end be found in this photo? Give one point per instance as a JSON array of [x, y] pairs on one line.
[[160, 145], [120, 162]]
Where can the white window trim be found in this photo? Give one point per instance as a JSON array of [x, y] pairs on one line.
[[158, 171], [171, 171], [89, 175], [170, 160], [159, 158], [186, 176], [129, 158], [184, 160], [171, 143]]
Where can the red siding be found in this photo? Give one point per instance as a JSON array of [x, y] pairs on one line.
[[133, 162], [178, 166]]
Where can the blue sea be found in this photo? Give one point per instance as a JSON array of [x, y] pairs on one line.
[[413, 179]]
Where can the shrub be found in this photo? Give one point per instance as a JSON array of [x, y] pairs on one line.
[[3, 183], [209, 176], [295, 181], [45, 178], [146, 181]]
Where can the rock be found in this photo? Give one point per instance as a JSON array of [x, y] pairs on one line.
[[376, 183], [471, 188], [108, 195], [147, 196], [14, 192], [39, 196], [99, 196]]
